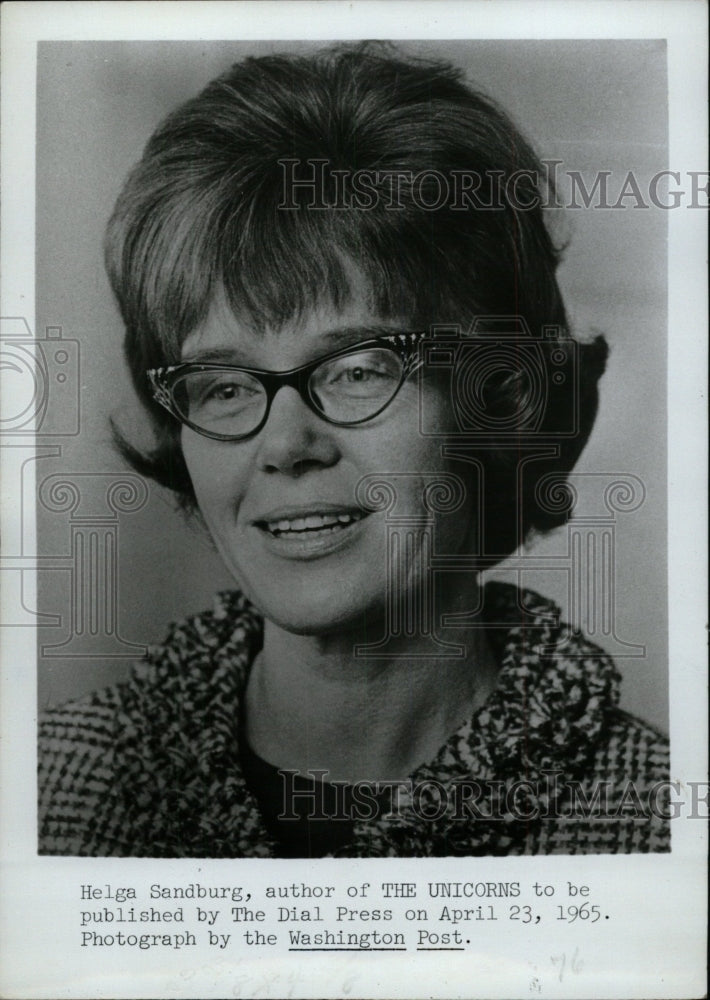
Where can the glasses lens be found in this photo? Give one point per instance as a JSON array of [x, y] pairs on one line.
[[356, 386], [220, 402]]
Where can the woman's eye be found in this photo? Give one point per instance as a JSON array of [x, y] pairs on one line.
[[365, 375], [227, 390], [357, 373], [367, 368], [206, 392]]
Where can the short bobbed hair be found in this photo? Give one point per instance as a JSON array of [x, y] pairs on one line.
[[208, 208]]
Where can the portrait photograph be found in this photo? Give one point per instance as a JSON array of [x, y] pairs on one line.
[[435, 590]]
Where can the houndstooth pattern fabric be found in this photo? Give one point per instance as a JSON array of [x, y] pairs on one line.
[[150, 768]]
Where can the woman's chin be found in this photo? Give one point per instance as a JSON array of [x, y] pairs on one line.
[[302, 615]]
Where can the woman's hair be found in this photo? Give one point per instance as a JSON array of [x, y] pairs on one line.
[[285, 171]]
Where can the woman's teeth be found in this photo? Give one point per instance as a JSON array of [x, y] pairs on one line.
[[313, 522]]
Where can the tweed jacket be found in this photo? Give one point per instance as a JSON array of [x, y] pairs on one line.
[[548, 764]]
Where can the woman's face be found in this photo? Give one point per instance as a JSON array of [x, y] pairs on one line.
[[263, 498]]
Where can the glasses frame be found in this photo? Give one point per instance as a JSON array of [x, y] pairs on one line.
[[403, 343]]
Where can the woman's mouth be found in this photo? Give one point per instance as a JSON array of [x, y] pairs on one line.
[[312, 524], [299, 534]]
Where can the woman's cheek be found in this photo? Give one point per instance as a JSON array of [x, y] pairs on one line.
[[214, 470]]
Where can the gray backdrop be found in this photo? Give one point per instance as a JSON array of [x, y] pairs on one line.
[[596, 105]]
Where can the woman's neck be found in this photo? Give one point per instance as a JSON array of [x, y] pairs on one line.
[[313, 704]]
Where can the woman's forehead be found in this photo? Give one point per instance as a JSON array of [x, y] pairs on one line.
[[226, 329]]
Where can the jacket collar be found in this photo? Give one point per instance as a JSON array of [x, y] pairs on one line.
[[177, 745]]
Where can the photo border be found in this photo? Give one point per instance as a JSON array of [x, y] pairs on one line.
[[659, 900]]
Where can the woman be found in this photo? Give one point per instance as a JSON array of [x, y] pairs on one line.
[[342, 315]]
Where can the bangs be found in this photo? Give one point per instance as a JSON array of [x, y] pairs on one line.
[[278, 264], [209, 209], [273, 264]]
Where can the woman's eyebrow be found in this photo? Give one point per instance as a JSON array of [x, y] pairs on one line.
[[353, 334], [215, 355], [337, 337]]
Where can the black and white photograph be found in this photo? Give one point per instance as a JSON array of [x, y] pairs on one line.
[[352, 437], [343, 320]]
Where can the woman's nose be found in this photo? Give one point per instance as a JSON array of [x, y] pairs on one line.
[[294, 440]]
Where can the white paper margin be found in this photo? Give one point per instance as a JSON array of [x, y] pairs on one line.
[[654, 947]]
